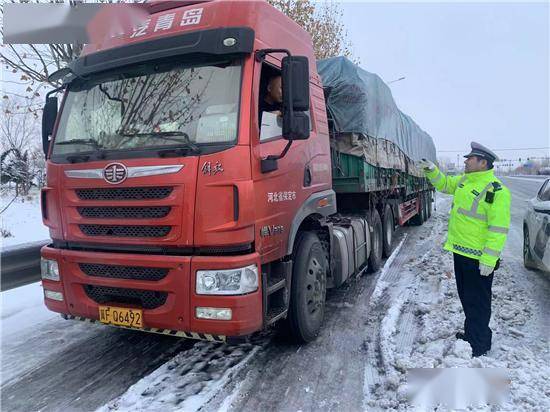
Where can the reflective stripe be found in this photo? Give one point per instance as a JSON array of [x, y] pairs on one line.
[[471, 214], [475, 205], [491, 252], [478, 198], [498, 229], [462, 179], [468, 250]]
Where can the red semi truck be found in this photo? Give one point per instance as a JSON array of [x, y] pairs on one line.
[[171, 210]]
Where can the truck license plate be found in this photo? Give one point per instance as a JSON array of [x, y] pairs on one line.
[[132, 318]]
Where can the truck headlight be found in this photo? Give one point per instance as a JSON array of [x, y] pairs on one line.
[[49, 269], [227, 281]]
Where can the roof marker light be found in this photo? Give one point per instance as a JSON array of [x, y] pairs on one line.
[[229, 42]]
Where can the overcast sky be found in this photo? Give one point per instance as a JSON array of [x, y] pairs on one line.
[[473, 71]]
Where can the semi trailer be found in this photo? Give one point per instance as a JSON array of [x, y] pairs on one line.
[[176, 207]]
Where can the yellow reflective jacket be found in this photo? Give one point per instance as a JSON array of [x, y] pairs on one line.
[[480, 214]]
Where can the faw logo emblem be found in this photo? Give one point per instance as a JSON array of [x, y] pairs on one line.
[[115, 173]]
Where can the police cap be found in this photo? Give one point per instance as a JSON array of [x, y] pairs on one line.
[[481, 151]]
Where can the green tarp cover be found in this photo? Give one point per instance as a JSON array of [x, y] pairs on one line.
[[360, 102]]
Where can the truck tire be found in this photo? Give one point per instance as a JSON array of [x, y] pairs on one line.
[[375, 257], [425, 200], [387, 229], [308, 289], [418, 219], [430, 204], [528, 261]]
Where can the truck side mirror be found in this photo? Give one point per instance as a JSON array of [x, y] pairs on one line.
[[295, 79], [48, 121]]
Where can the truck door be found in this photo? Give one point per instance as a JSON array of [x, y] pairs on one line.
[[278, 193]]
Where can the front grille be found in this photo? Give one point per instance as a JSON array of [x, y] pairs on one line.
[[124, 193], [123, 272], [124, 231], [124, 212], [147, 299]]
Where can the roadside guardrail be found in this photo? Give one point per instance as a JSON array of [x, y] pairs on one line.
[[20, 265]]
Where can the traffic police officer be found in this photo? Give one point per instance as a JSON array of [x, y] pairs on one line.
[[478, 226]]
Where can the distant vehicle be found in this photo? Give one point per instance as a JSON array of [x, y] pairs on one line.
[[544, 171], [536, 231]]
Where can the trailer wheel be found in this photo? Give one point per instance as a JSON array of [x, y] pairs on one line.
[[426, 206], [387, 229], [308, 290], [418, 219], [375, 257]]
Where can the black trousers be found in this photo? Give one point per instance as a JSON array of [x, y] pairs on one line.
[[474, 291]]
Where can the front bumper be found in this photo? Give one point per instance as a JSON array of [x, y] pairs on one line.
[[177, 313]]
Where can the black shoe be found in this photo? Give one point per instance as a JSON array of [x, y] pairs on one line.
[[461, 336]]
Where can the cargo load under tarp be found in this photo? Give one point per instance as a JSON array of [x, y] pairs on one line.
[[364, 113]]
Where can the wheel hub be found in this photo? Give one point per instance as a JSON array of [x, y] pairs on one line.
[[315, 286]]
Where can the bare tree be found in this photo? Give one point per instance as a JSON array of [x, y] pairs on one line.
[[33, 63], [19, 141], [323, 21], [19, 125]]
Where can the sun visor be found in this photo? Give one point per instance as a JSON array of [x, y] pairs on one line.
[[195, 44]]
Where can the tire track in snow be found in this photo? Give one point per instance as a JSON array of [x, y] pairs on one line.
[[392, 326]]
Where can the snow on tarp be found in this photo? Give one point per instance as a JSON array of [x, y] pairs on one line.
[[360, 102]]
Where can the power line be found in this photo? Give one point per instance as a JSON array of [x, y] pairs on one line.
[[500, 150]]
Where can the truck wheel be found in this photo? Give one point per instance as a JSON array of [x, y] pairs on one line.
[[426, 206], [430, 203], [387, 230], [418, 219], [308, 290], [375, 257]]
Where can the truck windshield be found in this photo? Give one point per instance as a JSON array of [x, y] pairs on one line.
[[150, 107]]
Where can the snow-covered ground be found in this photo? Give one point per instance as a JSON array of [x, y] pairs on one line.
[[21, 222], [421, 313]]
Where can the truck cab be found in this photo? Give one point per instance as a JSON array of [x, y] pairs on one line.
[[174, 204]]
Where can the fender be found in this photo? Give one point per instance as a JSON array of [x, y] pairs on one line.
[[322, 203]]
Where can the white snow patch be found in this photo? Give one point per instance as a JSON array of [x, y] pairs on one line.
[[22, 219], [23, 308], [381, 285]]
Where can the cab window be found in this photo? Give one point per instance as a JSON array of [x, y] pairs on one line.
[[270, 111]]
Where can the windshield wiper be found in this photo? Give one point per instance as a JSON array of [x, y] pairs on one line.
[[90, 142], [172, 136]]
